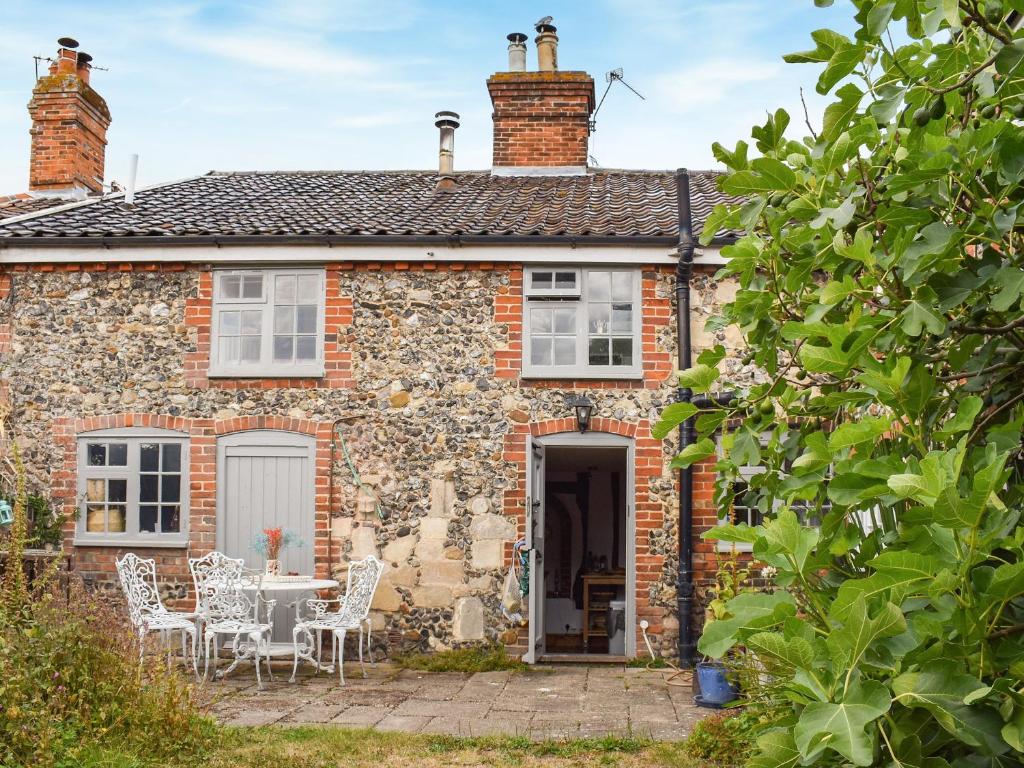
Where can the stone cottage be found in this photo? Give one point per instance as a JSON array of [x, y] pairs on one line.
[[386, 363]]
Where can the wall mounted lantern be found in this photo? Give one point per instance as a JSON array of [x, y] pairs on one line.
[[584, 408], [6, 513]]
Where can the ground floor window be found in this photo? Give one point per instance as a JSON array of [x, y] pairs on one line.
[[132, 487]]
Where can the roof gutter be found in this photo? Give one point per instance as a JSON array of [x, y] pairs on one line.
[[226, 241], [684, 271]]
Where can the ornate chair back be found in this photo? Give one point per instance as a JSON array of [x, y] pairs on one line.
[[363, 576], [229, 600], [211, 573], [138, 580]]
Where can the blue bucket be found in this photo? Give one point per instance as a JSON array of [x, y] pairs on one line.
[[715, 688]]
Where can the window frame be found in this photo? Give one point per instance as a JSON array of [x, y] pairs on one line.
[[131, 472], [567, 293], [581, 369], [265, 367]]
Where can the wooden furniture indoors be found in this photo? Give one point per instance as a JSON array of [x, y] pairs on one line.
[[598, 590]]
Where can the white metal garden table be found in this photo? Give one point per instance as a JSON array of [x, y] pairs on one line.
[[278, 589]]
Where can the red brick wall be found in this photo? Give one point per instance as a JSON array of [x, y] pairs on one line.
[[541, 118], [69, 134], [96, 563], [5, 327]]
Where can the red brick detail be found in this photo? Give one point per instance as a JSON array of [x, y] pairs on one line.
[[508, 310], [98, 562], [69, 129], [337, 359], [656, 317], [650, 510], [541, 118], [706, 556]]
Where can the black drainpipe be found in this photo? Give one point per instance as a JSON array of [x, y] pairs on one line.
[[684, 270]]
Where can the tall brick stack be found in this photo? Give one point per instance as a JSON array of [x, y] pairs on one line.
[[541, 119], [69, 129]]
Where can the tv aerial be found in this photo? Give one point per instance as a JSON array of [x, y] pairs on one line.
[[612, 77]]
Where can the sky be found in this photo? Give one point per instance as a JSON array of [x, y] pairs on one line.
[[199, 85]]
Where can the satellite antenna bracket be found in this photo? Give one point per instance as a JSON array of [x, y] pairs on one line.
[[611, 77]]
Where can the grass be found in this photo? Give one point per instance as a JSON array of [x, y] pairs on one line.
[[647, 662], [324, 747], [489, 658]]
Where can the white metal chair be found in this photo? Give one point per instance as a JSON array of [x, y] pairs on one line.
[[363, 577], [351, 614], [147, 612], [224, 608], [229, 610], [209, 571]]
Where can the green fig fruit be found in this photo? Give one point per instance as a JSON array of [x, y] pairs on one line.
[[938, 108], [922, 117]]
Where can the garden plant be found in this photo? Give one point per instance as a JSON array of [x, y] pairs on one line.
[[880, 276]]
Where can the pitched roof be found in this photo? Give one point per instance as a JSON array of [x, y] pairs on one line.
[[17, 205], [601, 204]]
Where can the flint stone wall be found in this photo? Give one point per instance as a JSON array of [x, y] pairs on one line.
[[424, 420]]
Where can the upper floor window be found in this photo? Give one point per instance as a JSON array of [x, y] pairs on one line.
[[268, 322], [133, 487], [581, 323]]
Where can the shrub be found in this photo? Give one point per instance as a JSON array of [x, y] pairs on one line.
[[724, 738], [880, 278], [70, 681]]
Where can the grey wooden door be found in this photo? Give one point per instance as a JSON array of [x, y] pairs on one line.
[[265, 479]]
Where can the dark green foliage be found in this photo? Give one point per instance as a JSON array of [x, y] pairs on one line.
[[880, 290]]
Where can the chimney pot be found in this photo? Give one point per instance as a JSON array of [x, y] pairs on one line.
[[447, 122], [516, 52], [67, 42], [547, 47]]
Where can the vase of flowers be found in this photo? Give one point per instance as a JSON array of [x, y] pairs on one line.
[[271, 542]]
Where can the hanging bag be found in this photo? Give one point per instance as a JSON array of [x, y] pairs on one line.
[[512, 593]]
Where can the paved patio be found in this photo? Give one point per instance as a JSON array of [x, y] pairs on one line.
[[544, 703]]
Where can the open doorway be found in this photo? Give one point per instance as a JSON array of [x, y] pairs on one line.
[[584, 578]]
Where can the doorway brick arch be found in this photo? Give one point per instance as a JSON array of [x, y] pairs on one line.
[[651, 511]]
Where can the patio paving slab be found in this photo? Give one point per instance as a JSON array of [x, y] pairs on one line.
[[546, 703]]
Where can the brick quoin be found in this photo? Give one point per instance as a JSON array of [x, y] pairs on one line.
[[97, 563]]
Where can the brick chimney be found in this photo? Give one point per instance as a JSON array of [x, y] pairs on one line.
[[542, 118], [69, 128]]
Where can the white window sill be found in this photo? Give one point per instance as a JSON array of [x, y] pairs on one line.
[[568, 375], [311, 372], [148, 543]]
